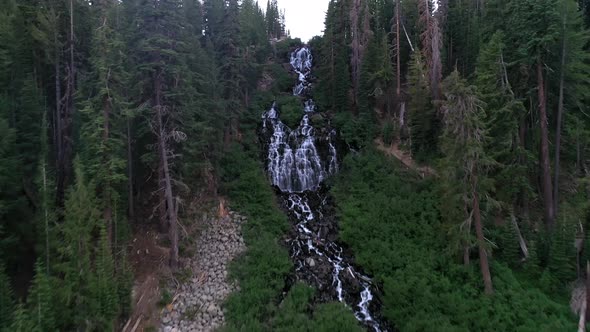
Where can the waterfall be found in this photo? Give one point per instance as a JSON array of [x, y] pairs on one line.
[[298, 161]]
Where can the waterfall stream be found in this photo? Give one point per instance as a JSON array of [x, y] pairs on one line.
[[298, 161]]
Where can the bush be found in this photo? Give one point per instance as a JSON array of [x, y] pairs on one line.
[[388, 133], [392, 225], [291, 110]]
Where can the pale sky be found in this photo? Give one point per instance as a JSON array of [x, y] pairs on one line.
[[304, 18]]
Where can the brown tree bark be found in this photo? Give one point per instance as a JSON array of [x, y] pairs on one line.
[[549, 211], [171, 208], [483, 256]]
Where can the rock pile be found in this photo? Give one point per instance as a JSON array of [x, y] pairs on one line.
[[197, 303]]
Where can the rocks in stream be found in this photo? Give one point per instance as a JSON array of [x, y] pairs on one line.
[[197, 305]]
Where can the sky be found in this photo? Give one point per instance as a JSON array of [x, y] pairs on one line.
[[304, 18]]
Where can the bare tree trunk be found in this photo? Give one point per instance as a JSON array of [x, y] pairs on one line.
[[559, 120], [397, 50], [355, 58], [549, 211], [130, 199], [45, 213], [521, 241], [163, 152], [57, 120], [483, 256], [587, 289], [58, 135], [107, 208], [171, 209]]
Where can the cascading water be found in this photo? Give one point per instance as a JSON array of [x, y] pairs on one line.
[[295, 165]]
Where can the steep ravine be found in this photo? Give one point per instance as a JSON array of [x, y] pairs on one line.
[[297, 162]]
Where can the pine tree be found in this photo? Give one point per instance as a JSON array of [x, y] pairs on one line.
[[534, 27], [103, 129], [40, 300], [104, 289], [502, 118], [6, 299], [22, 321], [81, 219], [231, 66], [562, 255], [421, 115], [465, 160]]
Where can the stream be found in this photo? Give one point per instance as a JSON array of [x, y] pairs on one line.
[[297, 162]]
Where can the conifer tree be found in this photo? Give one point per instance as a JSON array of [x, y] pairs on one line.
[[81, 219], [103, 129], [22, 321], [421, 115], [40, 301], [465, 162], [502, 117], [6, 299], [534, 27], [104, 287]]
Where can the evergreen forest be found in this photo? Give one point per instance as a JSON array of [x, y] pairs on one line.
[[190, 165]]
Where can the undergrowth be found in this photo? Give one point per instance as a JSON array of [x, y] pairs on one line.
[[392, 225]]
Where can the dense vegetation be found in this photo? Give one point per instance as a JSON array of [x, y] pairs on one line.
[[116, 114], [392, 222]]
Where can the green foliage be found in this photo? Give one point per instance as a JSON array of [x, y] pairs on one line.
[[290, 108], [392, 224], [421, 115], [264, 267], [357, 131], [6, 299], [22, 320], [501, 117], [388, 133], [41, 302]]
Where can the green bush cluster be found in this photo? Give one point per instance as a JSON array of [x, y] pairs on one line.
[[392, 225], [291, 110]]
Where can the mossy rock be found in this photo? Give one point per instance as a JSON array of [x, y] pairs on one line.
[[291, 110], [317, 120]]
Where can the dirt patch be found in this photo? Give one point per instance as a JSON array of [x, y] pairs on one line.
[[405, 158], [150, 264]]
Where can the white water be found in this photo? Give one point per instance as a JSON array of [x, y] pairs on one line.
[[295, 166]]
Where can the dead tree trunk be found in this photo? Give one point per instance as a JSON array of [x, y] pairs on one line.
[[168, 194], [355, 58], [397, 51], [549, 211], [130, 199], [559, 120], [170, 206]]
